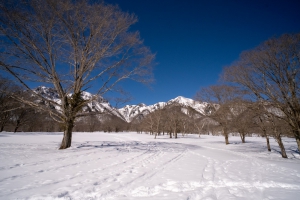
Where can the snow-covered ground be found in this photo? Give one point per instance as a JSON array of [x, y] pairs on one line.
[[136, 166]]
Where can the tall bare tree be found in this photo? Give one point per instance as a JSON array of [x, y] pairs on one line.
[[243, 118], [72, 46], [260, 120], [271, 72], [219, 109], [277, 127], [175, 119], [153, 122]]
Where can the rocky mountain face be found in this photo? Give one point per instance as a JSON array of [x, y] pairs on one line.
[[98, 104], [128, 112]]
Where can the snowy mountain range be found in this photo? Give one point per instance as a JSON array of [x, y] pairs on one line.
[[128, 112]]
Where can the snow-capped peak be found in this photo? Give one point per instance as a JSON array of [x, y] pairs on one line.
[[131, 111], [128, 112], [182, 100], [47, 92]]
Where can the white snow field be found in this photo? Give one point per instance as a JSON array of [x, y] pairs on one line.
[[136, 166]]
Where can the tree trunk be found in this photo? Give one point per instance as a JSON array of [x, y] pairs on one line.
[[17, 126], [297, 137], [298, 143], [226, 136], [281, 146], [2, 128], [226, 139], [268, 143], [242, 135], [199, 131], [267, 138], [67, 139]]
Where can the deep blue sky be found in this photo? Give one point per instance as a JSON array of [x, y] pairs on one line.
[[194, 39]]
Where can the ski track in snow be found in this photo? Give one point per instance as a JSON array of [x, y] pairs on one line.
[[136, 166]]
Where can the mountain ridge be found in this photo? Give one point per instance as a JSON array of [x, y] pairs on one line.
[[126, 113]]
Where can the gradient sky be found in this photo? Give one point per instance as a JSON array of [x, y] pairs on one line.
[[194, 39]]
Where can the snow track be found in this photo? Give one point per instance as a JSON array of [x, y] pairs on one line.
[[135, 166]]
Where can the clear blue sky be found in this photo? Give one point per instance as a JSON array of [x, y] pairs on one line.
[[194, 39]]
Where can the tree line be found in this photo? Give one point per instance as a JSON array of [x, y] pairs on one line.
[[259, 93]]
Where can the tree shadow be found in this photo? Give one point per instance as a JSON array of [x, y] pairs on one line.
[[137, 146], [4, 135]]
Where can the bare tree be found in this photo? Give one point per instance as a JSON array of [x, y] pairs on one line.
[[175, 119], [243, 118], [219, 109], [202, 124], [71, 45], [149, 123], [272, 73], [158, 115], [191, 123], [277, 126], [260, 120], [153, 121]]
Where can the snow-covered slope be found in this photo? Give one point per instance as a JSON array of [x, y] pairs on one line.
[[98, 104], [131, 111], [134, 166], [186, 102]]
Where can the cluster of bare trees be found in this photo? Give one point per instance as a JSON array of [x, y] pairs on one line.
[[228, 113], [271, 73], [70, 46], [261, 94], [171, 119], [102, 122], [245, 117]]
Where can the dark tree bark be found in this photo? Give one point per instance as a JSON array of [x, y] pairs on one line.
[[67, 139], [281, 146], [226, 138], [17, 126], [242, 135], [268, 143]]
